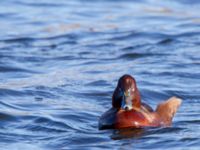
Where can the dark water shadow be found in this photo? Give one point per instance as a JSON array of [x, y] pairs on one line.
[[127, 133], [137, 133]]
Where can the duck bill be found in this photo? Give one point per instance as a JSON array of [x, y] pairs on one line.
[[126, 103]]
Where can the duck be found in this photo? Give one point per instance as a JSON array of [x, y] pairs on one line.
[[128, 111]]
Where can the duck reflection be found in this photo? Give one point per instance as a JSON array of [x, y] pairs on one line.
[[128, 133]]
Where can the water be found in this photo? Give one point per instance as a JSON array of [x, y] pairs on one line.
[[60, 62]]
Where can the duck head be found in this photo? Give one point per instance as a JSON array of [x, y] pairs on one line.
[[126, 95]]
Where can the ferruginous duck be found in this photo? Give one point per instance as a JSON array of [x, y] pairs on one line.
[[129, 112]]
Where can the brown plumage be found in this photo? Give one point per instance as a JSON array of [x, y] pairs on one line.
[[129, 112]]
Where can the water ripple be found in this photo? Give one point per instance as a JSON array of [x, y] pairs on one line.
[[60, 62]]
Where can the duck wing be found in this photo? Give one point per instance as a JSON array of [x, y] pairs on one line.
[[107, 120], [167, 109]]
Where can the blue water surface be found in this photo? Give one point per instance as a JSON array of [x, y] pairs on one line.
[[60, 62]]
